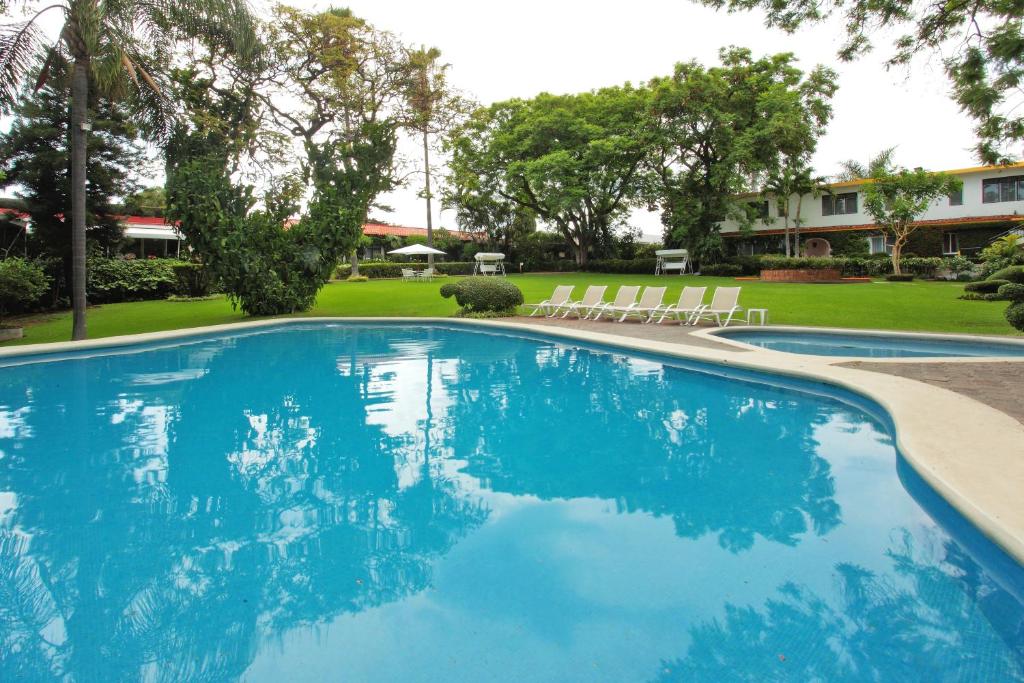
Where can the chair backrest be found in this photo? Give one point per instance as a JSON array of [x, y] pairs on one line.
[[408, 272], [485, 268], [725, 298], [652, 297], [626, 295], [594, 295], [691, 298], [561, 294], [427, 272]]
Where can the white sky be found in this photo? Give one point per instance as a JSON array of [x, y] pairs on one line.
[[498, 51]]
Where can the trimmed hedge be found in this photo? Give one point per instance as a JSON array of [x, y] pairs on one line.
[[640, 266], [1012, 292], [484, 294], [376, 270], [1015, 315], [903, 277], [193, 279], [869, 266], [985, 286], [722, 270], [1013, 274], [110, 280]]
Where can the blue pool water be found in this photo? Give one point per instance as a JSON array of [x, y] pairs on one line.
[[869, 346], [362, 503]]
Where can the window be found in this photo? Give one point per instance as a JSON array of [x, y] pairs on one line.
[[759, 210], [839, 204], [995, 190], [879, 244], [956, 198], [950, 243], [745, 249]]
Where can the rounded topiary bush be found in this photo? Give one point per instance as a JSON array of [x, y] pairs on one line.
[[484, 295], [1012, 292], [1010, 274], [985, 286], [1015, 315]]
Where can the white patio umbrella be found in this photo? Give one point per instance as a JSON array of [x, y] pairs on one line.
[[416, 250]]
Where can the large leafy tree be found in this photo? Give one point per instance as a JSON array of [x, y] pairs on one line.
[[120, 48], [716, 128], [897, 197], [979, 44], [793, 177], [36, 160], [572, 160]]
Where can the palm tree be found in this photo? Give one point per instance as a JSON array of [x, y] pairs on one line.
[[876, 166], [119, 46]]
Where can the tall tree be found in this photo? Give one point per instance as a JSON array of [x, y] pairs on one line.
[[36, 158], [879, 164], [572, 160], [896, 198], [119, 47], [433, 109], [793, 177], [717, 127], [979, 44]]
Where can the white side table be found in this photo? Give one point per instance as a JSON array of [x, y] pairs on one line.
[[762, 316]]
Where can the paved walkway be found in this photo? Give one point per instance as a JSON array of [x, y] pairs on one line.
[[999, 385]]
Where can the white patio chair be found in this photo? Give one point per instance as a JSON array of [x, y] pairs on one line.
[[648, 306], [725, 301], [592, 300], [625, 299], [559, 297], [691, 302], [408, 274], [426, 274]]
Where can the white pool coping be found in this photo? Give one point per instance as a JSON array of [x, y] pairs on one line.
[[970, 453]]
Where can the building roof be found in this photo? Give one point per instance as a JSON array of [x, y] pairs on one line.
[[933, 223], [384, 230]]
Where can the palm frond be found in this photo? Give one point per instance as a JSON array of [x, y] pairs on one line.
[[21, 46]]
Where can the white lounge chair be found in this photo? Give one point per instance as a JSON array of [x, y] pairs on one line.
[[725, 301], [625, 299], [592, 300], [691, 302], [648, 306], [561, 296]]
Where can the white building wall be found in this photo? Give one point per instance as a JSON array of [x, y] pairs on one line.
[[972, 206]]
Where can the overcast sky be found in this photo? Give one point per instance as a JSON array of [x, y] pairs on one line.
[[503, 50]]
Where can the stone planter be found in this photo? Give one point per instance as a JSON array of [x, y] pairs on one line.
[[8, 333], [803, 275]]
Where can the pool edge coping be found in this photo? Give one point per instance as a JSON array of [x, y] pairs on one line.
[[933, 425]]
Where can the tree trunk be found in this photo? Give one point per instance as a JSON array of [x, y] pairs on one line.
[[355, 263], [79, 138], [796, 225], [897, 249], [426, 193]]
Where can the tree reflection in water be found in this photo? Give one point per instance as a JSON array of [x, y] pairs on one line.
[[166, 514]]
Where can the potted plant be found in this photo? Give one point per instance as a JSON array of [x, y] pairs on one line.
[[22, 283]]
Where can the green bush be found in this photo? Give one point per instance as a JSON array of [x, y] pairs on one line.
[[1012, 292], [722, 270], [110, 280], [644, 266], [22, 283], [985, 286], [904, 277], [376, 270], [1013, 274], [357, 278], [868, 266], [484, 294], [193, 279], [1015, 315]]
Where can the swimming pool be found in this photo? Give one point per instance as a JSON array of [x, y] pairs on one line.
[[865, 345], [389, 502]]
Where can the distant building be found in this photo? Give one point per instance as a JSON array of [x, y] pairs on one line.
[[990, 204]]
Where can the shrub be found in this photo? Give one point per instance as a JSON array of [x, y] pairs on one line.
[[110, 280], [22, 283], [626, 266], [377, 270], [193, 279], [905, 277], [722, 270], [1013, 274], [357, 278], [1015, 315], [1012, 292], [985, 286], [484, 294]]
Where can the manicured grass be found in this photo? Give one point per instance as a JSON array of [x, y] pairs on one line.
[[917, 306]]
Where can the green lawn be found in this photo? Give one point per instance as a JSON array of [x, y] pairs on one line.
[[923, 306]]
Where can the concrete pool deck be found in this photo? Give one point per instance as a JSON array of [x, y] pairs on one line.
[[971, 453]]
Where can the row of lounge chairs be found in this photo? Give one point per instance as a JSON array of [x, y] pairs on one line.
[[629, 302]]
